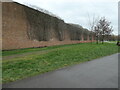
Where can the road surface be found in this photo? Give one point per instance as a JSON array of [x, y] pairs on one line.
[[99, 73]]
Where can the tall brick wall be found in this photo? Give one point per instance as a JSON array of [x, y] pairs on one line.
[[17, 31]]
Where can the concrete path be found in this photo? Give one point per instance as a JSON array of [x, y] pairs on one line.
[[99, 73]]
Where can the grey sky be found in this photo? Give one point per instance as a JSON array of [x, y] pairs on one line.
[[76, 11]]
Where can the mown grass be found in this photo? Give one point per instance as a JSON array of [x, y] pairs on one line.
[[31, 65], [21, 51]]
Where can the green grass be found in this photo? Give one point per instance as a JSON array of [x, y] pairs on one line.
[[31, 65], [113, 41], [21, 51]]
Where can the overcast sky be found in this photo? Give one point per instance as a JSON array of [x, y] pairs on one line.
[[77, 11]]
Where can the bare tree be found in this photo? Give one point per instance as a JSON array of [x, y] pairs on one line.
[[97, 33], [103, 28], [92, 23]]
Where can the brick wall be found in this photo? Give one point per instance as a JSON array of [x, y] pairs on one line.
[[15, 26]]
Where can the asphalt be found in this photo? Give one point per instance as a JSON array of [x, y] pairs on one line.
[[99, 73]]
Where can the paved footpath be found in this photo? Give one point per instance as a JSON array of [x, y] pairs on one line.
[[99, 73]]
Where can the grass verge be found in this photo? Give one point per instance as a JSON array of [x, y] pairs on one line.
[[31, 65], [26, 50]]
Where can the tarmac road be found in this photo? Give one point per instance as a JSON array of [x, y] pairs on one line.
[[99, 73]]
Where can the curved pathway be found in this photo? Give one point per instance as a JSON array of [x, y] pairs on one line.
[[99, 73]]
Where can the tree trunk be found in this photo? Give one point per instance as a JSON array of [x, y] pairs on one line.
[[103, 39], [97, 39]]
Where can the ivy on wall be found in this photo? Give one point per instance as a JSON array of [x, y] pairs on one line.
[[43, 25]]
